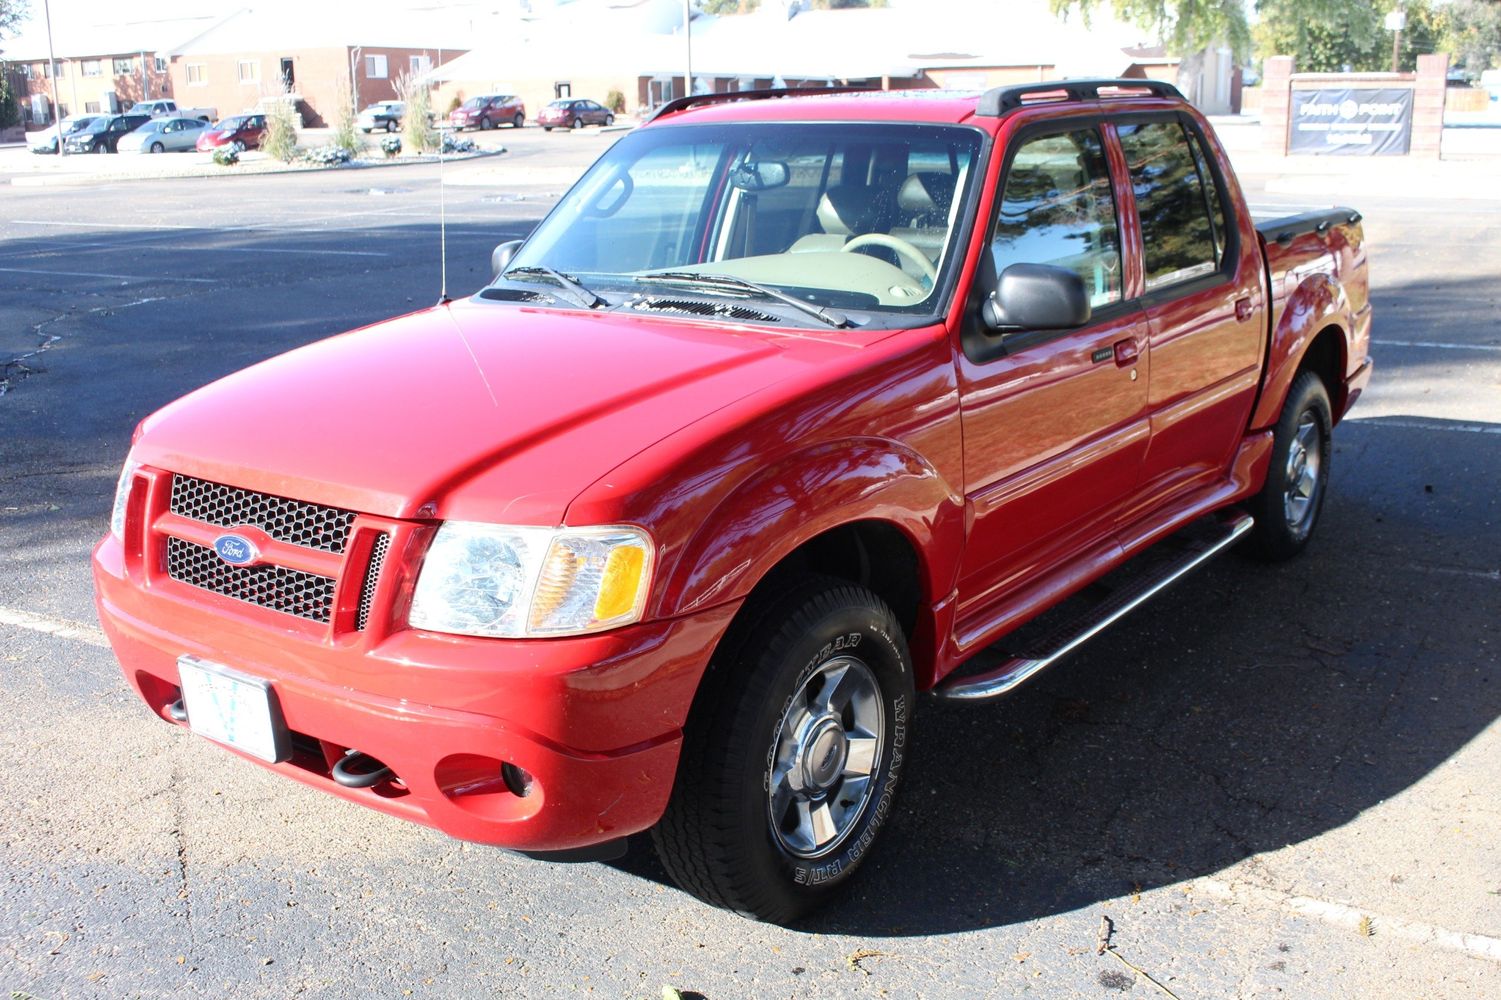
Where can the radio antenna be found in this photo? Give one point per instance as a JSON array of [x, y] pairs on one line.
[[442, 215]]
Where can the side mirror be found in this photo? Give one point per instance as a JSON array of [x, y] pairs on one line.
[[501, 256], [1037, 297]]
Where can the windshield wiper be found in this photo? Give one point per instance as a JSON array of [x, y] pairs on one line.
[[833, 317], [578, 293]]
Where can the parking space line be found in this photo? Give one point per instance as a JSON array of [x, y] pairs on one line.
[[1441, 346], [1350, 917], [1425, 425], [54, 627], [99, 225], [121, 277]]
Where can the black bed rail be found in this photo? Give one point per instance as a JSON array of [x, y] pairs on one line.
[[1003, 100], [1283, 230]]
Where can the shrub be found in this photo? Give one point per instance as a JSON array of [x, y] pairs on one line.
[[456, 103], [281, 129], [327, 156], [226, 156], [457, 144], [345, 134], [391, 145], [615, 101], [417, 132]]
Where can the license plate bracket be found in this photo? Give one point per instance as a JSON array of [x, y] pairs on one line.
[[233, 708]]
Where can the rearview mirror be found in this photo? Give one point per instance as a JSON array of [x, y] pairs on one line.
[[760, 175], [501, 256], [1037, 297]]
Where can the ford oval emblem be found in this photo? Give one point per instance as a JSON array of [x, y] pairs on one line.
[[237, 550]]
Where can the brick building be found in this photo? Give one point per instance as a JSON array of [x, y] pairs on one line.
[[256, 52]]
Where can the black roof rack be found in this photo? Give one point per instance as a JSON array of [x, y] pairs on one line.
[[1003, 100], [694, 100]]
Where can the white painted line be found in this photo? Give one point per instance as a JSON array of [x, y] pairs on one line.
[[100, 225], [54, 627], [1349, 917], [1424, 425], [330, 253], [1493, 575], [121, 277], [1440, 346]]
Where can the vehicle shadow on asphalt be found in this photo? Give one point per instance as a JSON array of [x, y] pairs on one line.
[[1250, 708]]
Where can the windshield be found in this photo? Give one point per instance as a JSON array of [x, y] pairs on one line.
[[97, 125], [230, 124], [847, 216], [155, 125], [474, 103], [376, 109]]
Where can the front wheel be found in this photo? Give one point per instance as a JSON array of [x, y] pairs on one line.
[[1288, 506], [792, 756], [485, 124], [518, 121], [392, 126]]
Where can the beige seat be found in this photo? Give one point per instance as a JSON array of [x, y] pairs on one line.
[[842, 212], [924, 200]]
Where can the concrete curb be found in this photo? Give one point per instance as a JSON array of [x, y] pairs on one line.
[[81, 180]]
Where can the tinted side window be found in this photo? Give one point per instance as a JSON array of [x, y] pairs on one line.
[[1056, 208], [1172, 202]]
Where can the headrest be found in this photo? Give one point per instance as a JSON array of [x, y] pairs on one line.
[[926, 194], [845, 211]]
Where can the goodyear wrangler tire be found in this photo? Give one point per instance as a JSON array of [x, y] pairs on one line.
[[793, 753], [1287, 508]]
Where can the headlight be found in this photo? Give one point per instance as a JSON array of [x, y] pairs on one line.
[[512, 582], [122, 496]]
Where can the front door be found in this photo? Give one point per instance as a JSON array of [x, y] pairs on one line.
[[1054, 422]]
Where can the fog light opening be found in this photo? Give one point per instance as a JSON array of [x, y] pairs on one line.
[[518, 781]]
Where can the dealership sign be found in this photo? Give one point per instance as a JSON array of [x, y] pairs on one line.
[[1343, 122]]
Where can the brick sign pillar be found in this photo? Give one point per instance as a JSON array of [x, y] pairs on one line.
[[1428, 105], [1276, 101]]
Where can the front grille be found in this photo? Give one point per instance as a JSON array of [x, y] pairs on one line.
[[310, 525], [372, 574], [294, 592], [692, 307]]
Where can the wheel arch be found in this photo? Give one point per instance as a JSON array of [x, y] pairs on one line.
[[1313, 333]]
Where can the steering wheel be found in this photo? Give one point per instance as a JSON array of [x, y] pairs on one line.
[[900, 246]]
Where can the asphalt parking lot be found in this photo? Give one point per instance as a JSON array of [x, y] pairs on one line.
[[1273, 781]]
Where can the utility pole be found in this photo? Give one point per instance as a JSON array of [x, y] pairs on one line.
[[688, 39], [52, 69], [1396, 21]]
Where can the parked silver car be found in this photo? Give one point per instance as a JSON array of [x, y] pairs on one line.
[[164, 135]]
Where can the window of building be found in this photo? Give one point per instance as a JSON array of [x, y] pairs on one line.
[[26, 71], [1177, 234], [196, 73], [91, 107], [375, 67], [1056, 208], [161, 64], [249, 71], [124, 67], [420, 64], [91, 67]]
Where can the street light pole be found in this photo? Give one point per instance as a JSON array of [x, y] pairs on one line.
[[688, 41], [52, 69]]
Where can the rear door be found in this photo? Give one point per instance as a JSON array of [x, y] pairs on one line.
[[1054, 421], [1203, 298]]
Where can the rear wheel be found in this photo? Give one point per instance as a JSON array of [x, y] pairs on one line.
[[609, 119], [1288, 506], [577, 123], [793, 753], [392, 126], [157, 147]]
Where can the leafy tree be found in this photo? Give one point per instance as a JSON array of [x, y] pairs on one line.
[[1470, 31], [12, 13], [1325, 36], [1187, 26]]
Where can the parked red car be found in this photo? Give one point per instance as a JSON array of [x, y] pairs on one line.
[[489, 110], [574, 113], [790, 407], [244, 131]]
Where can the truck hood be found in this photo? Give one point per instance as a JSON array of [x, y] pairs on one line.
[[396, 418]]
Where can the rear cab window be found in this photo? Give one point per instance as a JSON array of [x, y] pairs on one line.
[[1183, 225]]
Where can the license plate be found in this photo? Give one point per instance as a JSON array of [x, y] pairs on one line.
[[232, 708]]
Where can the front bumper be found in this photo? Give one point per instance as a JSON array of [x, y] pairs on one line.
[[596, 721]]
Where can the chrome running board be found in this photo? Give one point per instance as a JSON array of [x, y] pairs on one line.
[[1018, 669]]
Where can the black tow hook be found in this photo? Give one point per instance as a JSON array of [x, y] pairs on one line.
[[351, 771], [177, 711]]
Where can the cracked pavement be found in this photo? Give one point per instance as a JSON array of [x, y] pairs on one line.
[[1274, 780]]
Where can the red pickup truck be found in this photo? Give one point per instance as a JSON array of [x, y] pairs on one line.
[[790, 407]]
